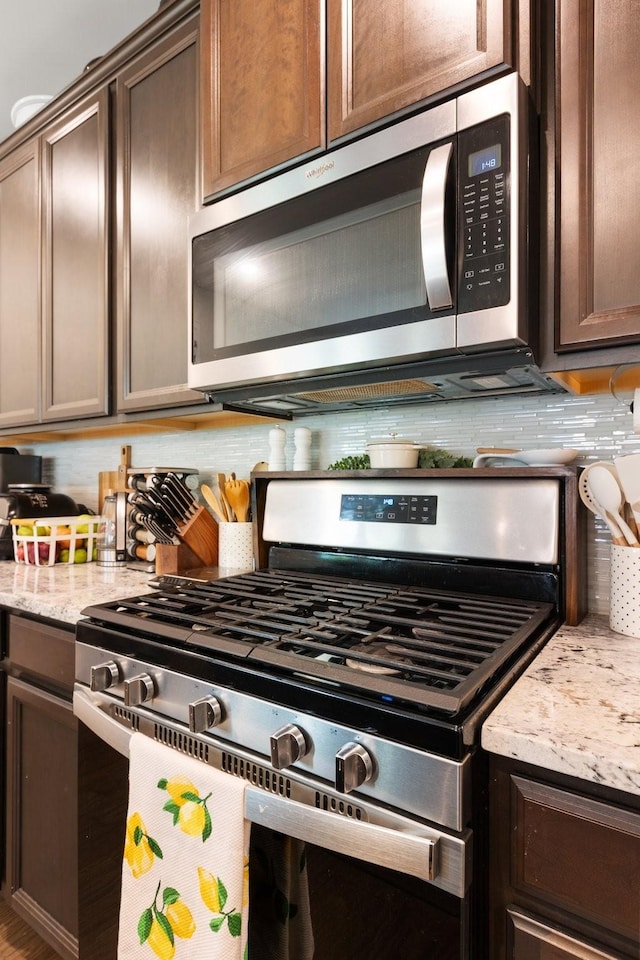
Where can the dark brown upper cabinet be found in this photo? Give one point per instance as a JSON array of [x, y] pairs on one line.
[[386, 56], [157, 189], [269, 97], [20, 286], [75, 305], [597, 150], [54, 266], [262, 86]]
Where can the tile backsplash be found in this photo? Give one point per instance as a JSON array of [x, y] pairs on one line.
[[598, 426]]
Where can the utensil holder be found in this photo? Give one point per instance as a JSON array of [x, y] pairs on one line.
[[624, 607], [235, 547]]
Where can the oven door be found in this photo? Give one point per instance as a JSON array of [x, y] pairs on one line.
[[372, 886]]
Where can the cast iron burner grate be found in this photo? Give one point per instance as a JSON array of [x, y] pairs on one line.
[[408, 644]]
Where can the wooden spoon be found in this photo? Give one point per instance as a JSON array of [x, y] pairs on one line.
[[213, 502], [237, 493], [224, 503]]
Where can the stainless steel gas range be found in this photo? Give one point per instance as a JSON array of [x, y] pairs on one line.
[[346, 680]]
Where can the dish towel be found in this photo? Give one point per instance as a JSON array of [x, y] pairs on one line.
[[185, 871]]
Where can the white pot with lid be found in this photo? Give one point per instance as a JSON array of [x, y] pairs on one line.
[[393, 451]]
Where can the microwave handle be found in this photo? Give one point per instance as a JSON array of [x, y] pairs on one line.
[[432, 228]]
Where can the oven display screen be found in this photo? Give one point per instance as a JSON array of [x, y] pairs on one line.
[[380, 508]]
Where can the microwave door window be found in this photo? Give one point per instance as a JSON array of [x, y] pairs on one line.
[[365, 263], [344, 258]]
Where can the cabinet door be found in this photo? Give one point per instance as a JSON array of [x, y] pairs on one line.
[[157, 188], [531, 940], [598, 144], [386, 56], [20, 287], [594, 873], [76, 267], [41, 801], [261, 89]]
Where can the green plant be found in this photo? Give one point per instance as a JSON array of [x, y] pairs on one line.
[[431, 458], [360, 461]]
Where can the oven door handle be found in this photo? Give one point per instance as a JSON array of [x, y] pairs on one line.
[[112, 732], [407, 853], [416, 854]]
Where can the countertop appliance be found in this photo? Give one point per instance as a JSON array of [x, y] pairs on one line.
[[346, 680], [18, 467], [15, 468], [396, 268]]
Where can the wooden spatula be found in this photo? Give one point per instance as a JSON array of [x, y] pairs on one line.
[[213, 502], [237, 493], [224, 503]]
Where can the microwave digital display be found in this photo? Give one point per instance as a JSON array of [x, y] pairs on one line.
[[484, 161]]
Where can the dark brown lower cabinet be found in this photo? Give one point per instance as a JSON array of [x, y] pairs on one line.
[[41, 783], [565, 870], [530, 939]]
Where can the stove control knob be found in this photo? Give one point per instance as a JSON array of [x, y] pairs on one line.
[[203, 714], [288, 744], [104, 675], [138, 690], [354, 767]]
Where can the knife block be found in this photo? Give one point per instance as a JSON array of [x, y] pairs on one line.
[[173, 559], [200, 534]]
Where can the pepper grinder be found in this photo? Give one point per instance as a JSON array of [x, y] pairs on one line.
[[277, 440], [302, 456]]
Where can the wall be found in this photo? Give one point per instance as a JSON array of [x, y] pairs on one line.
[[599, 427]]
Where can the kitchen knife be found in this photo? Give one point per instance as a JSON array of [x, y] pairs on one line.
[[181, 512], [181, 494]]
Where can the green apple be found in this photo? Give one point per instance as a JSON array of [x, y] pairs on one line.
[[25, 530], [83, 527], [80, 556]]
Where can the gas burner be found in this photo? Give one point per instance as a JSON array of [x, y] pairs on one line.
[[373, 653]]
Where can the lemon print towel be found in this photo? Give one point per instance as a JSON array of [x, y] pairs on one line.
[[186, 860]]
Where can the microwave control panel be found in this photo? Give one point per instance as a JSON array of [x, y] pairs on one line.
[[484, 216]]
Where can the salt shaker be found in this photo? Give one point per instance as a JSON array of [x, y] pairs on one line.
[[277, 440], [302, 456]]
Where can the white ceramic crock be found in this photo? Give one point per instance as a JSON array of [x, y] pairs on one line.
[[393, 452]]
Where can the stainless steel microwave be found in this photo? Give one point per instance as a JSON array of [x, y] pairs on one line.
[[395, 267]]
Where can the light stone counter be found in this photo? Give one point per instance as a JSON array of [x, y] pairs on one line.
[[576, 709], [62, 591]]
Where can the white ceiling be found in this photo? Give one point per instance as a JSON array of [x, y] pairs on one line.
[[46, 44]]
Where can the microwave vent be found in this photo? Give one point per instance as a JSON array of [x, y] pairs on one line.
[[371, 391]]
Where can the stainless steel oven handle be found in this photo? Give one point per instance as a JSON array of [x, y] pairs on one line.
[[414, 854], [406, 853], [112, 732], [433, 228]]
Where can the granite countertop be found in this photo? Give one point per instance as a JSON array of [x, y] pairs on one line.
[[576, 709], [62, 591]]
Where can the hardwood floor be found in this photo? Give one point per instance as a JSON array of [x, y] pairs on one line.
[[18, 941]]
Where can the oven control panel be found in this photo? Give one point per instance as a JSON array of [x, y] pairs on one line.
[[389, 508]]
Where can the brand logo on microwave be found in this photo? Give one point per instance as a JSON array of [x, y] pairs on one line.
[[320, 171]]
